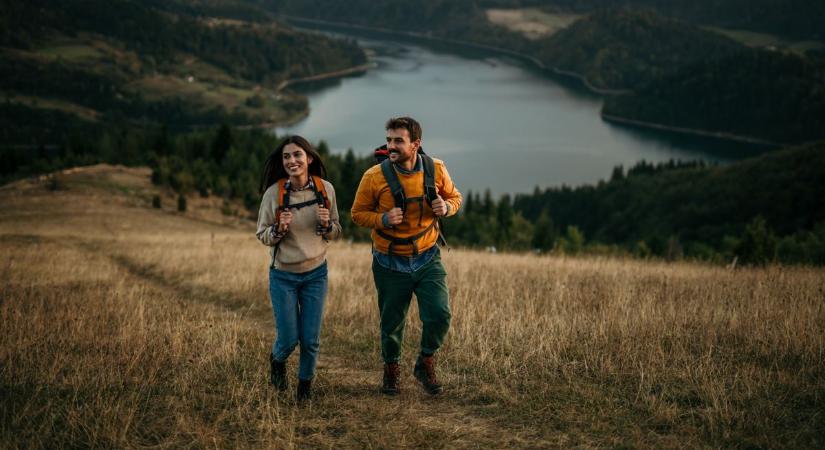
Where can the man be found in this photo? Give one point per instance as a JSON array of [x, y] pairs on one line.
[[402, 199]]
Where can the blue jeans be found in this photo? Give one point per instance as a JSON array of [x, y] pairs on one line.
[[298, 306]]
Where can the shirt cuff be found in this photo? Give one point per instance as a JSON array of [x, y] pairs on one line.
[[385, 220]]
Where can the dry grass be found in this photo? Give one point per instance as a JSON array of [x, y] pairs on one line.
[[125, 326], [207, 93], [56, 104], [533, 23]]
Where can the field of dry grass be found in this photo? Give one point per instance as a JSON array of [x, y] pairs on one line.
[[125, 326]]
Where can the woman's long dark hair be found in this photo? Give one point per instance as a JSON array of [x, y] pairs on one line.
[[274, 164]]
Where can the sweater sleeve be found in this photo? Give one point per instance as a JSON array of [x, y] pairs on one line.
[[449, 192], [363, 207], [334, 220], [266, 218]]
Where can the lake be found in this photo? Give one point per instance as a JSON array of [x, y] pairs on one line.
[[497, 123]]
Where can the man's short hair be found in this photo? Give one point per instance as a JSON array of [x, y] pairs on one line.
[[407, 123]]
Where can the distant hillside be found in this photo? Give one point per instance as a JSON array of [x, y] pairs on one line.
[[153, 62], [463, 20], [688, 78], [800, 19], [774, 96], [623, 49]]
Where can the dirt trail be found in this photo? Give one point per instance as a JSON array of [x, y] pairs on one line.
[[358, 410]]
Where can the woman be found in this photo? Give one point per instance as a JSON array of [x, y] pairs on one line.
[[298, 217]]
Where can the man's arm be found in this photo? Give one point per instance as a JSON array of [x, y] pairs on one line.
[[363, 207], [449, 192]]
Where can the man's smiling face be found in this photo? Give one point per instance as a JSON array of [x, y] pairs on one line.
[[400, 147]]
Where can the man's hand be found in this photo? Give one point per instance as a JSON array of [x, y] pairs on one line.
[[394, 216], [439, 207], [323, 216], [286, 219]]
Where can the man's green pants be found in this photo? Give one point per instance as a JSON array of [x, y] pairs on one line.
[[395, 290]]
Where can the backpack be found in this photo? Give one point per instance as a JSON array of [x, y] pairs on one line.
[[283, 190], [400, 199]]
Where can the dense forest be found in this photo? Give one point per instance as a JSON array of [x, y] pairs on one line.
[[801, 19], [626, 49], [775, 96]]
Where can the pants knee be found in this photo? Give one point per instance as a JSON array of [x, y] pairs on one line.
[[310, 347], [284, 349], [439, 319]]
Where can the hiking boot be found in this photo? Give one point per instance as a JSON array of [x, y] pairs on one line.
[[277, 373], [304, 391], [392, 379], [425, 373]]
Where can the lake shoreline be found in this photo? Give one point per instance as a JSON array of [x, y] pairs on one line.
[[618, 120], [354, 70]]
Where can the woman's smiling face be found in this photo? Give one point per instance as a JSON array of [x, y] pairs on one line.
[[296, 161]]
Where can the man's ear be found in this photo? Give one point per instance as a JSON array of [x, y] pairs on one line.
[[416, 144]]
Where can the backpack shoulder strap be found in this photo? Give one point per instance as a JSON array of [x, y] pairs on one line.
[[429, 178], [320, 191], [431, 193], [283, 198], [395, 186]]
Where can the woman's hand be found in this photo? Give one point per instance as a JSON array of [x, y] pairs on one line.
[[323, 216], [286, 219]]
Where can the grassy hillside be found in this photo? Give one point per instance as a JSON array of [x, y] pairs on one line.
[[126, 326]]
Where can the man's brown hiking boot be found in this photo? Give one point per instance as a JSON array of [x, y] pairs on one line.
[[392, 379], [425, 373]]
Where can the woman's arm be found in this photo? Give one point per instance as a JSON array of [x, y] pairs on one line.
[[334, 221], [267, 231]]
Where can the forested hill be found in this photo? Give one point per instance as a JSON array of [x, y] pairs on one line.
[[801, 19], [686, 77], [705, 212], [455, 19], [777, 97], [626, 49], [73, 64]]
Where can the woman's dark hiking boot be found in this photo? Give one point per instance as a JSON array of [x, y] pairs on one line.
[[277, 373], [392, 379], [425, 373], [304, 392]]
